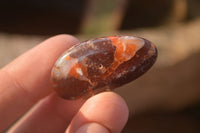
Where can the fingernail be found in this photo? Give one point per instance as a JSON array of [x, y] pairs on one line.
[[92, 128]]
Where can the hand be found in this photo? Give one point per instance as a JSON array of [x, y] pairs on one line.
[[26, 88]]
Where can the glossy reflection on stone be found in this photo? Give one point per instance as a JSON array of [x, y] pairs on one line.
[[101, 64]]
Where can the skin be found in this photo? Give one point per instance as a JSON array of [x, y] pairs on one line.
[[27, 97]]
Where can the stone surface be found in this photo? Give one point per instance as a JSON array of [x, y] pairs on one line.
[[101, 64]]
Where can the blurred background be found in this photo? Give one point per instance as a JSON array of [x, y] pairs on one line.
[[167, 98]]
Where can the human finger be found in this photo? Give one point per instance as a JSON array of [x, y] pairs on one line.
[[51, 115], [27, 79], [103, 113]]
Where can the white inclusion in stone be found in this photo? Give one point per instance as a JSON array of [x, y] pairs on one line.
[[139, 42], [118, 76], [82, 76], [65, 65], [124, 46], [79, 71], [133, 68]]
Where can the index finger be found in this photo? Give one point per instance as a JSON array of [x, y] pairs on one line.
[[27, 79]]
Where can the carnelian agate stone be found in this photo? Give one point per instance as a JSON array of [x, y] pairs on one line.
[[101, 64]]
